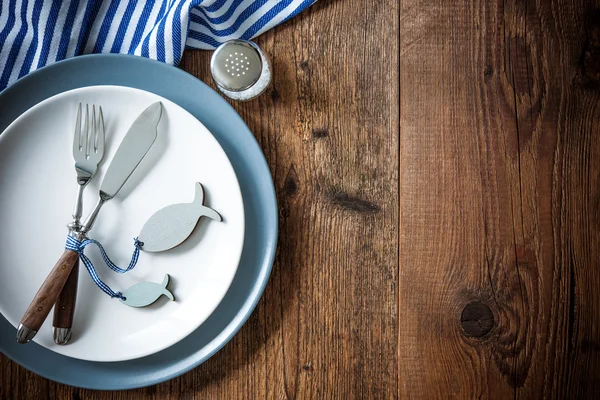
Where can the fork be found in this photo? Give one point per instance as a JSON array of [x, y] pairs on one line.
[[88, 150], [60, 287], [87, 154]]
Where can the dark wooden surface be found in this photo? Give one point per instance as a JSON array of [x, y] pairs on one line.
[[437, 166], [499, 200]]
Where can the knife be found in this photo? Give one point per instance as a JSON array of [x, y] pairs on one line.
[[130, 153]]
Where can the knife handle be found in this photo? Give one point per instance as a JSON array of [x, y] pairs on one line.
[[48, 293], [64, 308]]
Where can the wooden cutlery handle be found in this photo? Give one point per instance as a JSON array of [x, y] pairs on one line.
[[46, 296], [64, 308]]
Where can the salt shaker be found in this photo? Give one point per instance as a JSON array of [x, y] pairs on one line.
[[240, 69]]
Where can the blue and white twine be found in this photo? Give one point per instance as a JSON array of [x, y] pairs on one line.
[[79, 246]]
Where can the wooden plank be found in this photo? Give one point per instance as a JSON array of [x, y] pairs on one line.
[[327, 325], [499, 161]]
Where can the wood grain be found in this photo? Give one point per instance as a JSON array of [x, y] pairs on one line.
[[64, 309], [437, 167], [327, 324], [46, 297], [499, 158]]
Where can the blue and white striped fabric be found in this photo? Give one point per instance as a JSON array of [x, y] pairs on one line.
[[35, 33]]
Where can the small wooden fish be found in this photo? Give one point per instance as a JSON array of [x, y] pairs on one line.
[[173, 224], [145, 293]]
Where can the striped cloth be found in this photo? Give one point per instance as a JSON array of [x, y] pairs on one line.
[[35, 33]]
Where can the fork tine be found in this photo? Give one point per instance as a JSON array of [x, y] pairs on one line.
[[87, 131], [100, 136], [92, 133], [77, 134]]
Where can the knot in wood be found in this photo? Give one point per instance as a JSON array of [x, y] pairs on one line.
[[477, 319]]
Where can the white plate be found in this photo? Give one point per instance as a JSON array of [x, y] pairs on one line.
[[38, 186]]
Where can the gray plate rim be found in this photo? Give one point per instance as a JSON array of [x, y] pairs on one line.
[[259, 202]]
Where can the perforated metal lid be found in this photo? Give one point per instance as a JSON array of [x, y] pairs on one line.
[[240, 69], [236, 65]]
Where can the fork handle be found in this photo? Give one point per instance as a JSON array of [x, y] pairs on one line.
[[64, 309], [78, 209], [48, 293]]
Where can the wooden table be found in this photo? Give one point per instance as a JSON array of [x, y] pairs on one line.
[[437, 165]]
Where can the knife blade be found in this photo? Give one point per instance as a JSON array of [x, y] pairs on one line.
[[132, 149], [134, 146], [130, 153]]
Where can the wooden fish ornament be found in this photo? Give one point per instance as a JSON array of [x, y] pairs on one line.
[[166, 228], [145, 293], [173, 224]]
